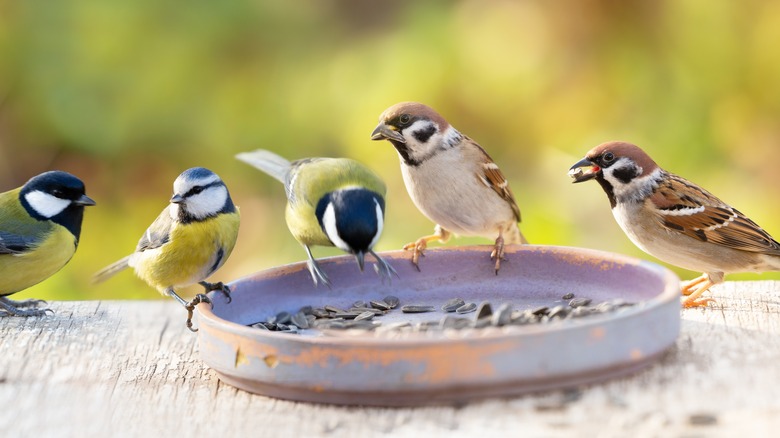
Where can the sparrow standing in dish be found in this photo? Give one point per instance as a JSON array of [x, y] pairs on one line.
[[330, 202], [40, 225], [450, 179], [675, 220], [189, 240]]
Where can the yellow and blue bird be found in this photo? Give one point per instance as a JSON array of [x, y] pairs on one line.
[[330, 202], [40, 226], [189, 240]]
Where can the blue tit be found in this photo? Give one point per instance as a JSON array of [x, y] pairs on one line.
[[189, 240], [330, 202], [40, 225]]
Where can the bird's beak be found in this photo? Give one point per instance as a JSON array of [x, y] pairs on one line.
[[579, 175], [177, 199], [384, 131], [84, 200], [360, 256]]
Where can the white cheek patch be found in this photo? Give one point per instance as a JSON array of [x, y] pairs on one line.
[[636, 189], [207, 203], [380, 221], [329, 225], [45, 204]]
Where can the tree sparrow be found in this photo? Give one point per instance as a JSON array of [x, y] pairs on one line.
[[675, 220], [450, 179]]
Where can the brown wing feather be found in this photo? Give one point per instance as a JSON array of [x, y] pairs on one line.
[[688, 209], [496, 179]]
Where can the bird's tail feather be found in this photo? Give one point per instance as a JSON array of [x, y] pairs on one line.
[[111, 270], [267, 161]]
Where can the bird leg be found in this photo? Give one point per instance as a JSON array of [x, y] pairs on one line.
[[498, 251], [421, 244], [383, 268], [692, 296], [317, 274], [15, 308], [220, 286], [190, 306]]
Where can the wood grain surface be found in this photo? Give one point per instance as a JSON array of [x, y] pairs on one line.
[[131, 368]]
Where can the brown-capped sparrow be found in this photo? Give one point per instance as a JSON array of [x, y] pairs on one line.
[[675, 220], [450, 179]]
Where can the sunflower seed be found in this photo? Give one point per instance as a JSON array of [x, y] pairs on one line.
[[453, 304], [359, 303], [466, 308], [568, 296], [364, 316], [346, 315], [579, 302], [392, 301], [502, 316], [306, 310], [558, 312], [320, 312], [410, 308], [300, 320], [482, 322], [334, 309], [484, 310], [543, 310], [381, 305]]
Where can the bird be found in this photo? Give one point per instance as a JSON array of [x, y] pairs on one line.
[[330, 202], [40, 227], [190, 240], [676, 220], [451, 179]]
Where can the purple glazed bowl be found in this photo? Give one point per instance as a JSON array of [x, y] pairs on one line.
[[359, 367]]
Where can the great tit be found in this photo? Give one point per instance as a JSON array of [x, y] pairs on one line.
[[330, 202], [189, 240], [40, 225]]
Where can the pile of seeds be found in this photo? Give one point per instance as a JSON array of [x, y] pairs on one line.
[[362, 315]]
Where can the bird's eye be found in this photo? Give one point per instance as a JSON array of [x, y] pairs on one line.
[[608, 157], [404, 119], [57, 192], [195, 190]]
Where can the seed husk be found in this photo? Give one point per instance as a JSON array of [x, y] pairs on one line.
[[568, 296], [334, 309], [452, 305], [502, 315]]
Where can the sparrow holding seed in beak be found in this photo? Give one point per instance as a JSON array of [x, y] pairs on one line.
[[675, 220], [450, 179]]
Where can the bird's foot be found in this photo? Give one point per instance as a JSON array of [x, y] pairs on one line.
[[220, 286], [417, 248], [498, 252], [190, 306], [9, 307], [384, 269], [689, 287], [704, 302], [317, 274], [694, 290]]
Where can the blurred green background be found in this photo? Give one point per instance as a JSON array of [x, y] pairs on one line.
[[126, 95]]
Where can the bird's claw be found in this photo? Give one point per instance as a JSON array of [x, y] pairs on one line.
[[18, 308], [384, 269], [190, 306], [219, 286], [418, 249], [498, 253]]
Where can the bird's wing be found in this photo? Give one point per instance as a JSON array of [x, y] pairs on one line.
[[684, 207], [158, 233], [492, 177], [12, 243]]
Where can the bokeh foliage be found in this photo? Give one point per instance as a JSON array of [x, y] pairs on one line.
[[128, 94]]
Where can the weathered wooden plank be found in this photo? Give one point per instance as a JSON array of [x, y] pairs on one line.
[[131, 368]]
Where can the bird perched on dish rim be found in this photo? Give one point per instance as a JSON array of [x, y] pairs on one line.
[[675, 220], [450, 178], [190, 239], [40, 227], [330, 202]]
